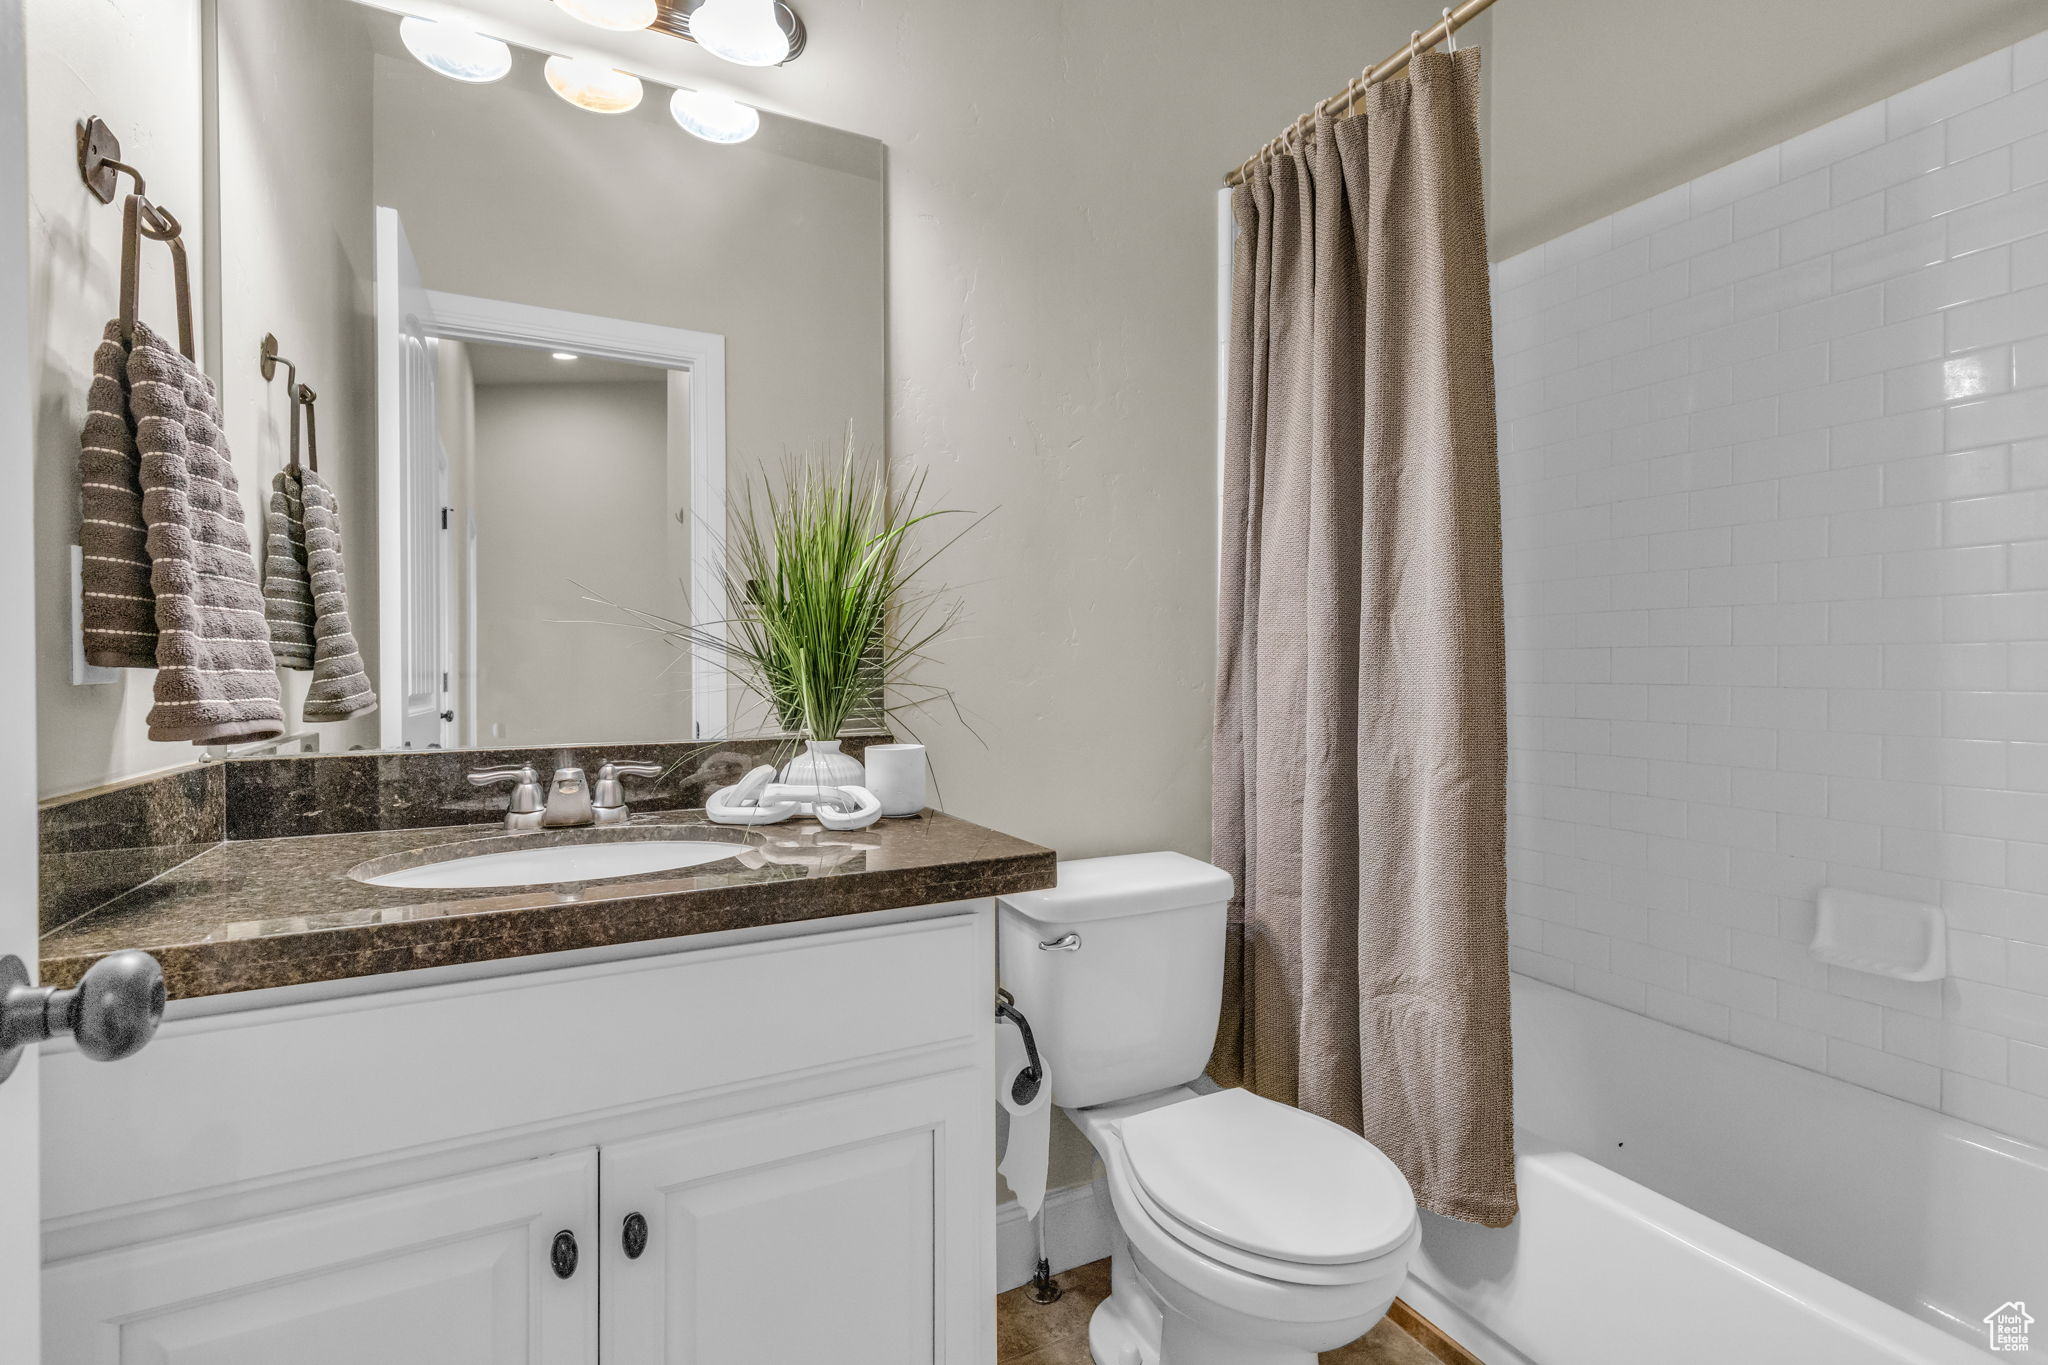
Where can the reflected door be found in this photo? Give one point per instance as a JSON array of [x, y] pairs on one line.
[[416, 626]]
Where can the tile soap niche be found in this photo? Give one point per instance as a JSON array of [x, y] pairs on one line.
[[1882, 936]]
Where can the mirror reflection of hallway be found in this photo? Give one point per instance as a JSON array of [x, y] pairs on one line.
[[566, 478]]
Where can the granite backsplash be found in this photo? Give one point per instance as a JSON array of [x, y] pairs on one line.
[[103, 843]]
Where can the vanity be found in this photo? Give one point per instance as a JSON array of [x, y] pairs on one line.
[[733, 1112]]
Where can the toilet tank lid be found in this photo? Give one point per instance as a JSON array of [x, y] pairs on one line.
[[1127, 884]]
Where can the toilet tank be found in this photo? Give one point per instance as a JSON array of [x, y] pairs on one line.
[[1127, 1005]]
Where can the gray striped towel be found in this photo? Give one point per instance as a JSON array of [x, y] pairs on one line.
[[119, 615], [287, 590], [341, 687], [215, 682]]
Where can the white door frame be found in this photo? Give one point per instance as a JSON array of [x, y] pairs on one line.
[[462, 317], [21, 1243]]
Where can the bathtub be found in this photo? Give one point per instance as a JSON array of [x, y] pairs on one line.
[[1690, 1203]]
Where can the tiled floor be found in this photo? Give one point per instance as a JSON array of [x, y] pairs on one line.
[[1057, 1334]]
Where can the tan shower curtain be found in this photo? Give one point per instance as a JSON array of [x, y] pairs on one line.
[[1361, 745]]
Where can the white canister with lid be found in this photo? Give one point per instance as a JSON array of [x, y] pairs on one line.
[[896, 777]]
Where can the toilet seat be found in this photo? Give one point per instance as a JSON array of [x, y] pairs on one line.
[[1267, 1189]]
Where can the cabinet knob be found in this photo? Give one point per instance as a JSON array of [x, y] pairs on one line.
[[634, 1236], [563, 1254]]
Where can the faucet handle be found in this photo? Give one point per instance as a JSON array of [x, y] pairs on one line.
[[525, 795], [609, 796], [511, 772]]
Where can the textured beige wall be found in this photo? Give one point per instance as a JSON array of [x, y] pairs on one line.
[[1600, 103]]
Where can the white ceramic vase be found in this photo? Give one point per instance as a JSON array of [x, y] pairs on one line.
[[822, 765]]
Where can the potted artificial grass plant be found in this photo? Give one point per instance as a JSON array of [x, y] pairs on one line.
[[825, 622]]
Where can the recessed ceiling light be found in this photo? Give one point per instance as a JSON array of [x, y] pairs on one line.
[[563, 355], [593, 85], [714, 118], [619, 15], [744, 31], [454, 50]]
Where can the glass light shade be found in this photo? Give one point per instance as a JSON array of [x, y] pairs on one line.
[[593, 85], [619, 15], [457, 52], [742, 31], [714, 117]]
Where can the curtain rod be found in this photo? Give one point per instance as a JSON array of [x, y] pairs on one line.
[[1343, 101]]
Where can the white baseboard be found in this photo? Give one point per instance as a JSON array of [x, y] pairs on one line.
[[1077, 1227]]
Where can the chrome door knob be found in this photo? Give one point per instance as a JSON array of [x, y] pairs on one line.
[[111, 1013]]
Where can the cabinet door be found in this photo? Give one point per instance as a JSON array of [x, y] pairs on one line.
[[817, 1232], [454, 1272]]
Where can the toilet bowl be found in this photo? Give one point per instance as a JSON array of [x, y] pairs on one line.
[[1240, 1266], [1248, 1232]]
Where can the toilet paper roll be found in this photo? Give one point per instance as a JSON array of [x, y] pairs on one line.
[[1027, 1150]]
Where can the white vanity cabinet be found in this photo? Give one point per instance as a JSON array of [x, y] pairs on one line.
[[805, 1235], [453, 1272], [763, 1151]]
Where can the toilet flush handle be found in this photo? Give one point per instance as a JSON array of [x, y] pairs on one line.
[[1065, 943]]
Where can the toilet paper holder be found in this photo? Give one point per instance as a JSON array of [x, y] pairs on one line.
[[1024, 1089]]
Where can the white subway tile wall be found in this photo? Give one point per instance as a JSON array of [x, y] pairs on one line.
[[1774, 463]]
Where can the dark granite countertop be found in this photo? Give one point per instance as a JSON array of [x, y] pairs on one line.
[[250, 914]]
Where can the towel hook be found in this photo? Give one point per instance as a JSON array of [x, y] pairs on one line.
[[99, 161], [101, 167], [269, 358]]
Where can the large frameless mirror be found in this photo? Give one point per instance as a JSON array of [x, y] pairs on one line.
[[543, 341]]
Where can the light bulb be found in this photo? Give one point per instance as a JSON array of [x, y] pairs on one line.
[[743, 31], [455, 51], [713, 117], [619, 15], [593, 85]]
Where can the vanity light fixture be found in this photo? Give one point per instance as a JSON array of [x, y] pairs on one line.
[[744, 31], [454, 50], [564, 355], [715, 118], [593, 85], [621, 16]]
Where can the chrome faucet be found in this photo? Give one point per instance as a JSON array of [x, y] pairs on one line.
[[568, 799]]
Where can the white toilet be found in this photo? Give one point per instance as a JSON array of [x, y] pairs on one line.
[[1249, 1233]]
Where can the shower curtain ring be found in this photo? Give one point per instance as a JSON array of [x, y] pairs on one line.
[[1450, 30]]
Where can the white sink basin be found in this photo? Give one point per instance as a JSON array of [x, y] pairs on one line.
[[558, 863]]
